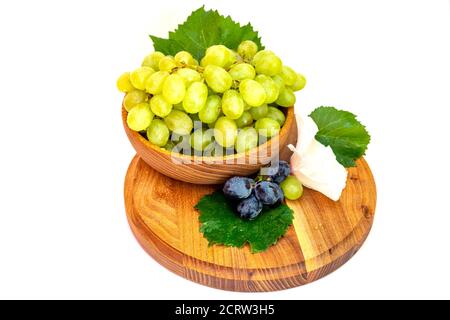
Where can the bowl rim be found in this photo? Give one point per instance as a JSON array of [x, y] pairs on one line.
[[290, 116]]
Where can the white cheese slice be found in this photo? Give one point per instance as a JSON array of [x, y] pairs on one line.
[[314, 164]]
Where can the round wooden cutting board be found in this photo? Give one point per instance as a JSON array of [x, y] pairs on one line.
[[325, 234]]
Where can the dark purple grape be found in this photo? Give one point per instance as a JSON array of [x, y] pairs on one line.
[[279, 195], [249, 208], [268, 193], [284, 170], [238, 188]]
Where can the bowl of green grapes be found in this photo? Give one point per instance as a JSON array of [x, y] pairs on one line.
[[205, 121]]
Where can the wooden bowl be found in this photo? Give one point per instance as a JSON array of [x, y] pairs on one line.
[[213, 170]]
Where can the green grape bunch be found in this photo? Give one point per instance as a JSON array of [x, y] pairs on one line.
[[230, 100]]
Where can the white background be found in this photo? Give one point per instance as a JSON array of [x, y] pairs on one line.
[[63, 231]]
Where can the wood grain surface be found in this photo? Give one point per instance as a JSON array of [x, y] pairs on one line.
[[213, 170], [325, 234]]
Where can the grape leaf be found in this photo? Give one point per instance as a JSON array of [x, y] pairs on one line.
[[342, 132], [203, 29], [221, 225]]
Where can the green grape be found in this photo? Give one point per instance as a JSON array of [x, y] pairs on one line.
[[184, 58], [292, 188], [260, 55], [267, 127], [124, 84], [242, 71], [155, 82], [289, 76], [167, 63], [268, 64], [270, 87], [232, 104], [278, 81], [189, 76], [178, 106], [299, 83], [247, 106], [247, 49], [158, 133], [139, 76], [218, 151], [247, 139], [286, 97], [213, 124], [179, 122], [225, 132], [201, 139], [178, 138], [195, 98], [140, 117], [133, 98], [245, 120], [252, 92], [232, 59], [152, 60], [217, 78], [210, 150], [169, 145], [211, 111], [277, 115], [259, 112], [174, 89], [160, 106], [217, 55]]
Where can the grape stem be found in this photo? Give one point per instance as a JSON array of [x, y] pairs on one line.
[[199, 69]]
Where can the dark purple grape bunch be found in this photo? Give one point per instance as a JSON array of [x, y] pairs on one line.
[[240, 190], [251, 196]]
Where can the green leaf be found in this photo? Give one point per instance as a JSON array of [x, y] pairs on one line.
[[221, 225], [203, 29], [165, 46], [342, 132]]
